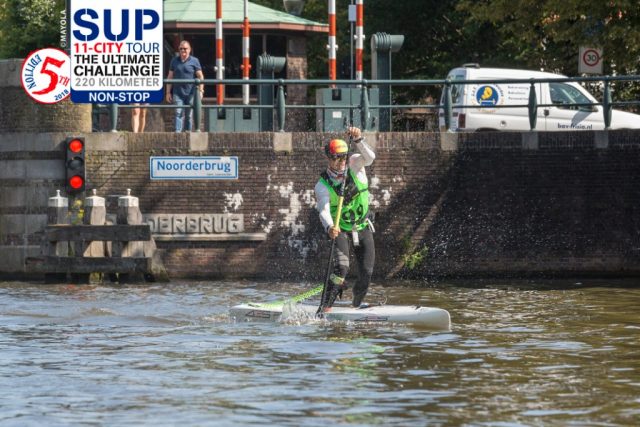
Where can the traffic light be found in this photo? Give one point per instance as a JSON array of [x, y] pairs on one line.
[[75, 164]]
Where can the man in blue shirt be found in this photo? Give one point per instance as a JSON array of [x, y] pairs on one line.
[[184, 66]]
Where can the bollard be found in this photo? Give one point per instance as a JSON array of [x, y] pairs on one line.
[[57, 213], [129, 214], [58, 210], [128, 210], [95, 213]]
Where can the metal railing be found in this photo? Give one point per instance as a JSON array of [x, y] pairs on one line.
[[364, 107]]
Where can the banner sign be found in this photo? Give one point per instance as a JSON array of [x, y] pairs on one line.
[[190, 167], [116, 51]]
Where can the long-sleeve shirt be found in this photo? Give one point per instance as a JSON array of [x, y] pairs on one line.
[[357, 163]]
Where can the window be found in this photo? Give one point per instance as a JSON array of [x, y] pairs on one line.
[[457, 91], [564, 95]]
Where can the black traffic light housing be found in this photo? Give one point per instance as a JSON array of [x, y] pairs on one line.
[[74, 165]]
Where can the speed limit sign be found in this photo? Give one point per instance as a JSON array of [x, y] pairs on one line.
[[590, 60]]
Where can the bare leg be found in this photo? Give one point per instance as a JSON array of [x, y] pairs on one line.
[[135, 119], [143, 119]]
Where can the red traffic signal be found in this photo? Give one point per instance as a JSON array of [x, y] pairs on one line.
[[75, 171], [76, 145]]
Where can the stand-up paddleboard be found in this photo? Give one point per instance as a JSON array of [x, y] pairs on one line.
[[429, 317]]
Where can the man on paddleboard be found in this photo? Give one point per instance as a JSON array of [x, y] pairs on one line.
[[354, 228]]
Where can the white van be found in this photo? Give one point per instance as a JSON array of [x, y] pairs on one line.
[[557, 117]]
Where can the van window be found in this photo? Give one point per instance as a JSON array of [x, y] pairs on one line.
[[564, 95], [457, 91]]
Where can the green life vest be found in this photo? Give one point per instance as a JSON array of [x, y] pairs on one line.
[[355, 206]]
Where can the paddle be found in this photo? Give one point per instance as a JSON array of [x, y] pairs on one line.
[[328, 286], [294, 299]]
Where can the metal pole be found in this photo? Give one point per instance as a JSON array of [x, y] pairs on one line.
[[113, 110], [246, 66], [351, 38], [606, 105], [332, 46], [364, 107], [219, 53], [197, 106], [359, 38], [281, 105], [533, 107], [447, 105]]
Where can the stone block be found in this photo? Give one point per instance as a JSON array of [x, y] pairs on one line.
[[448, 141], [601, 138], [282, 142], [530, 140], [198, 141]]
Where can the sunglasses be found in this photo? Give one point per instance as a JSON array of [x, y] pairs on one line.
[[338, 157]]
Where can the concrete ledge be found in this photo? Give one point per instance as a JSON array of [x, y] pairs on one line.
[[32, 169], [530, 140], [19, 196], [106, 141], [601, 139], [282, 142], [448, 141], [26, 141], [198, 141]]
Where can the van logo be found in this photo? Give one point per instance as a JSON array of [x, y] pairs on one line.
[[488, 95]]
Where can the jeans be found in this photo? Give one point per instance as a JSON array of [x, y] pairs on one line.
[[187, 111]]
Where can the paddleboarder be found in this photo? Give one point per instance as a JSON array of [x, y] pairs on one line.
[[354, 228]]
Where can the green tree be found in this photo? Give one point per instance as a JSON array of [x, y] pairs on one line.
[[548, 33], [27, 25]]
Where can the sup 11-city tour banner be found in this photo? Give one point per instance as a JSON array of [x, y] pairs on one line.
[[114, 55]]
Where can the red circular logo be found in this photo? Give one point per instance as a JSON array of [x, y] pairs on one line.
[[45, 75]]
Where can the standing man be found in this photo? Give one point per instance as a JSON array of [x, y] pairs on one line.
[[354, 228], [184, 66]]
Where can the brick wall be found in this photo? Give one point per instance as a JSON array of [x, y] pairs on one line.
[[490, 203], [488, 207]]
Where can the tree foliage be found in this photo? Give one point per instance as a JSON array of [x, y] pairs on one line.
[[539, 34], [439, 34], [27, 25], [548, 33]]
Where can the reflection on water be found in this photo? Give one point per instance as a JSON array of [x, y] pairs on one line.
[[518, 354]]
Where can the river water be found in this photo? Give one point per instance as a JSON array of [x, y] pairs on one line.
[[519, 354]]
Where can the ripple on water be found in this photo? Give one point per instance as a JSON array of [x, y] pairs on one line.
[[145, 354]]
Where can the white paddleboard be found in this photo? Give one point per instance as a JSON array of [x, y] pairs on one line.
[[430, 317]]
